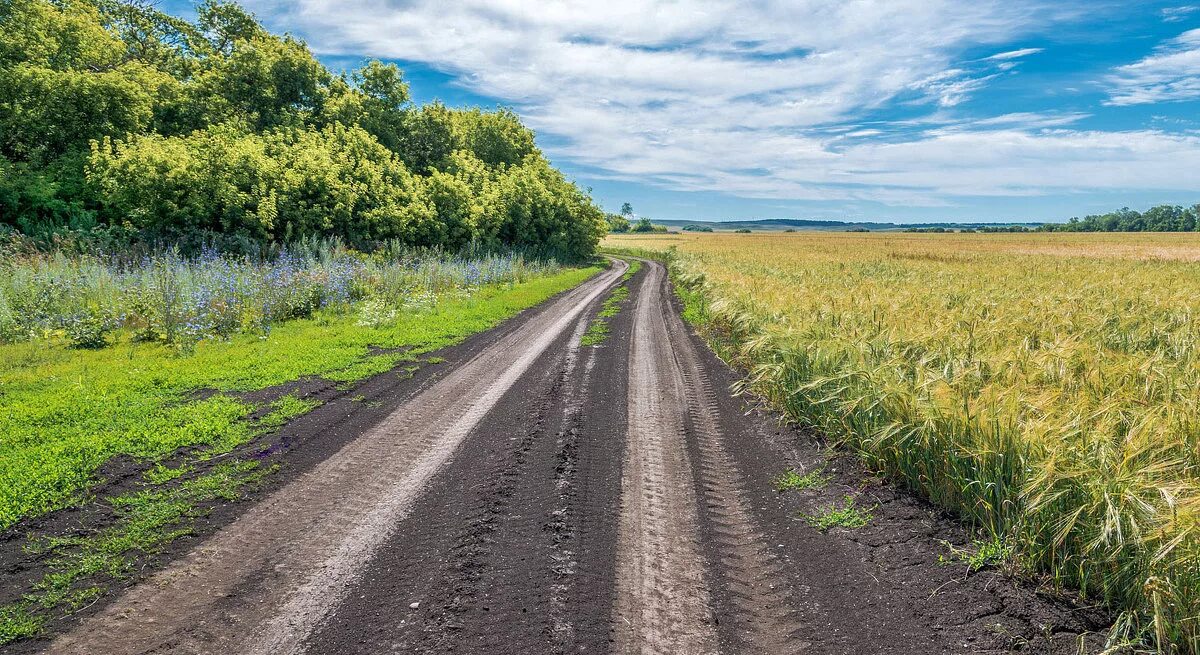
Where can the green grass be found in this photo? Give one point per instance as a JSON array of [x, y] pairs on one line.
[[848, 515], [147, 521], [634, 266], [791, 480], [981, 554], [597, 331], [64, 412]]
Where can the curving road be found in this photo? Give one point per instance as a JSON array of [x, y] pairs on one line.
[[540, 496]]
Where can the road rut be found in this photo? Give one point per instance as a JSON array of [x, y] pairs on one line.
[[549, 497], [261, 584]]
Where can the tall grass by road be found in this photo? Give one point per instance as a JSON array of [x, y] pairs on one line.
[[1046, 387], [180, 300]]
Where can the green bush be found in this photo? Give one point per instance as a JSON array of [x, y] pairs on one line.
[[89, 329], [123, 121]]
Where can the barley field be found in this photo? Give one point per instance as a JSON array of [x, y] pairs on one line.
[[1044, 386]]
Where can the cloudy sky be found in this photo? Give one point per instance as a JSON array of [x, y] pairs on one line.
[[857, 109]]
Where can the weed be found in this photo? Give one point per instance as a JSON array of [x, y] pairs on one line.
[[18, 622], [635, 265], [160, 474], [286, 408], [979, 555], [791, 480], [147, 521], [598, 330], [596, 333], [182, 301], [848, 516]]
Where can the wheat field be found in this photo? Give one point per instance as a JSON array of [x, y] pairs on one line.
[[1044, 386]]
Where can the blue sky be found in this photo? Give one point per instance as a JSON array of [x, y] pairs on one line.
[[904, 110]]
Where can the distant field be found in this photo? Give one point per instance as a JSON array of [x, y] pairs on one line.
[[782, 224], [1047, 386]]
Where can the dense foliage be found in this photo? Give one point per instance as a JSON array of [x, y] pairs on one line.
[[645, 226], [117, 120], [1163, 218], [617, 223]]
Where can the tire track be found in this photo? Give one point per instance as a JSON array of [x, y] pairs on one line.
[[757, 583], [510, 548], [264, 582], [563, 523], [665, 590], [512, 556], [662, 593]]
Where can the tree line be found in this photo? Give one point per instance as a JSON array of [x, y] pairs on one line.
[[1162, 218], [119, 121], [624, 222]]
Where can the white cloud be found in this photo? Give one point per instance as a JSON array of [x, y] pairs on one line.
[[1170, 73], [1029, 120], [951, 87], [1176, 14], [764, 99], [1014, 54], [863, 133]]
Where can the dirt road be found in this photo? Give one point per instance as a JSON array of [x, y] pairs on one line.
[[539, 496]]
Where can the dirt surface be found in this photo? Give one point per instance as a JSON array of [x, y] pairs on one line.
[[538, 496]]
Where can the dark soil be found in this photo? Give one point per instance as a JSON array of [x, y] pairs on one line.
[[345, 412], [882, 588], [511, 546]]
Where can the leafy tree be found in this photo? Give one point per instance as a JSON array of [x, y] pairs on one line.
[[534, 206], [497, 138], [281, 185], [118, 118], [30, 201], [456, 211], [66, 81], [626, 210], [383, 95], [426, 138], [224, 24], [644, 225], [617, 223], [265, 81], [1162, 218]]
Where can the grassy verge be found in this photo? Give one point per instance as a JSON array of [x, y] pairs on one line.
[[597, 330], [65, 412]]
